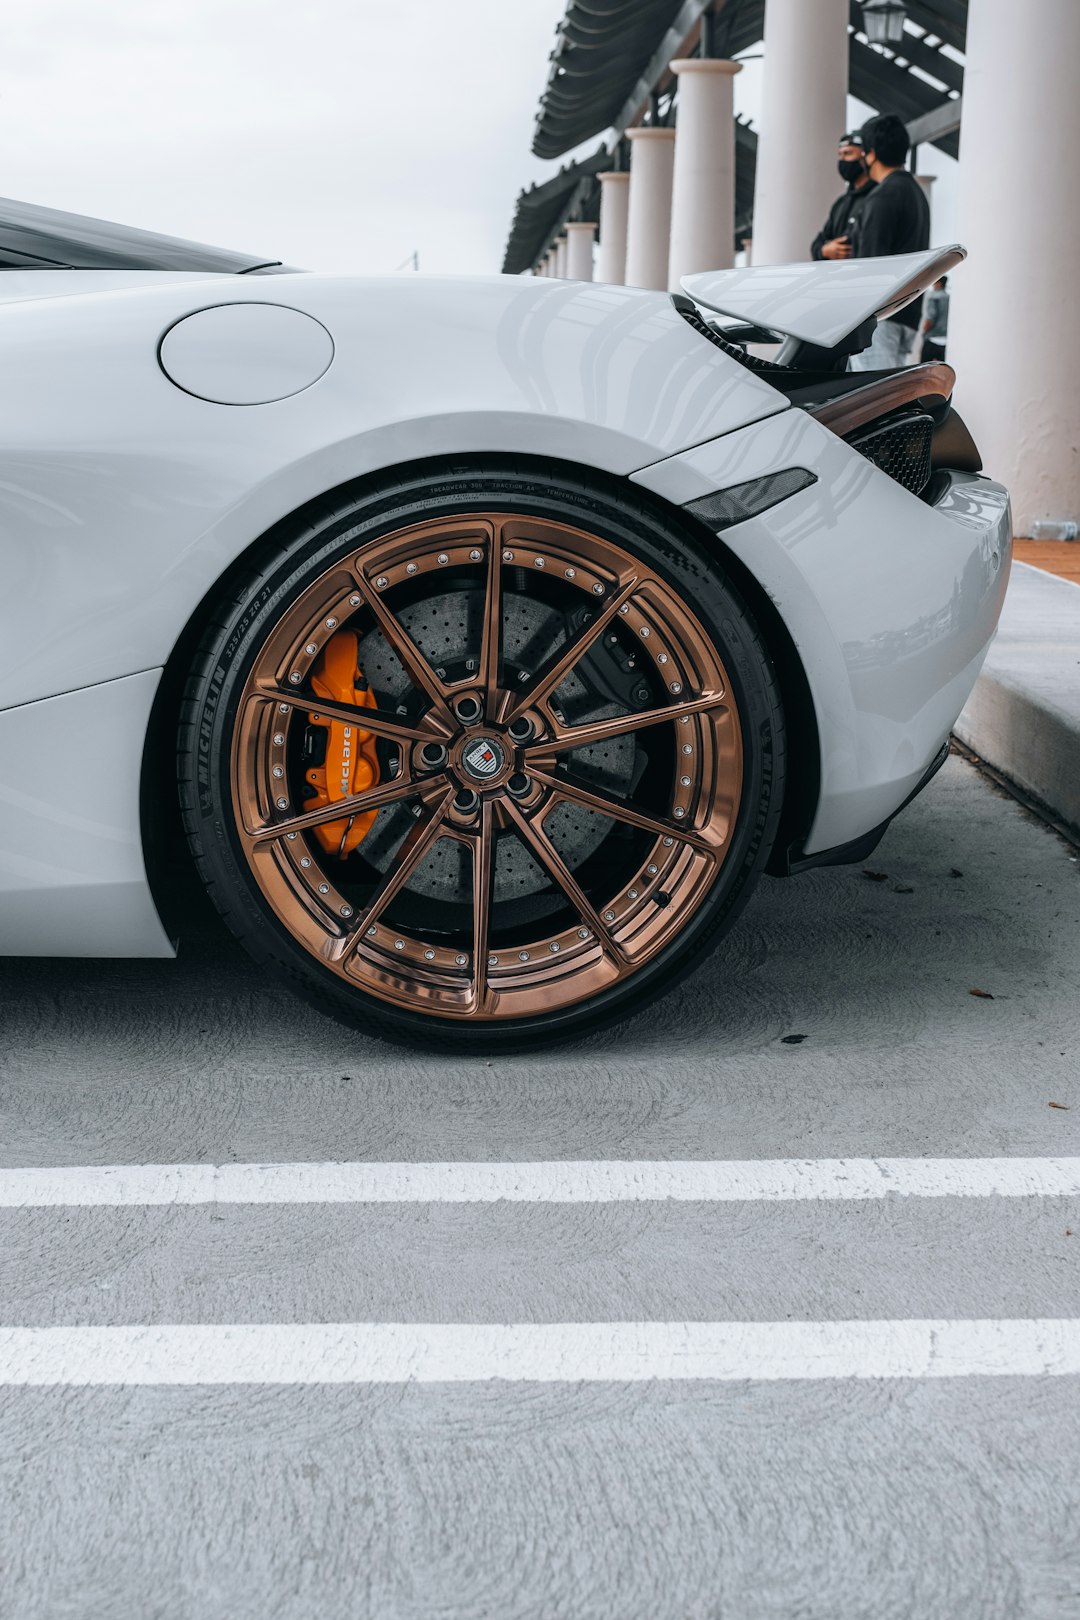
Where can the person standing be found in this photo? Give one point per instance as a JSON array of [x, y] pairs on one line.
[[835, 239], [934, 326], [895, 219]]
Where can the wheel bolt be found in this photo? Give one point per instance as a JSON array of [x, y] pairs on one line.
[[468, 709], [519, 784], [466, 801], [521, 728], [433, 754]]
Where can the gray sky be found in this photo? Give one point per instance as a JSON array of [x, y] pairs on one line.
[[336, 134]]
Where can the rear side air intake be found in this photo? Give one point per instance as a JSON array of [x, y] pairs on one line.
[[900, 445], [892, 421]]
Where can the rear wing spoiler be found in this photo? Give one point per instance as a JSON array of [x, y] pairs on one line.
[[821, 302]]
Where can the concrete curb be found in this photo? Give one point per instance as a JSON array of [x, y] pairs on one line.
[[1023, 717]]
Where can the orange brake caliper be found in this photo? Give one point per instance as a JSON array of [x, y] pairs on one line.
[[351, 764]]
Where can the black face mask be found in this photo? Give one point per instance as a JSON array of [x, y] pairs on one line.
[[851, 169]]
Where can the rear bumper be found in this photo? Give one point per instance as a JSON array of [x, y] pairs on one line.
[[794, 860], [891, 603]]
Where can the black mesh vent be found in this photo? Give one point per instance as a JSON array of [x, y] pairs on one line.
[[900, 446]]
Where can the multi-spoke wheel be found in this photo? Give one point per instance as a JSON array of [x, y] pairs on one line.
[[486, 755]]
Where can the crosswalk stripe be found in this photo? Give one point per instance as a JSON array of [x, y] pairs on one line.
[[556, 1181], [560, 1352]]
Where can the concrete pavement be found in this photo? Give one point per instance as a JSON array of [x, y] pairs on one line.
[[834, 1497]]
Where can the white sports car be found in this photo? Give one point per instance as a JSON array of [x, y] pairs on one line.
[[481, 641]]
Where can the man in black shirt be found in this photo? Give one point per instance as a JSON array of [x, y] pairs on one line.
[[896, 219], [835, 239]]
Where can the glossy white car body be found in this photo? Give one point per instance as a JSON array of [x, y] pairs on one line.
[[124, 497]]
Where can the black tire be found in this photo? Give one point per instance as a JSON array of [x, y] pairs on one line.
[[300, 552]]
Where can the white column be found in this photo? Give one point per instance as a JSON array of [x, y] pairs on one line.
[[926, 185], [560, 257], [579, 240], [648, 218], [703, 183], [803, 115], [614, 194], [1014, 317]]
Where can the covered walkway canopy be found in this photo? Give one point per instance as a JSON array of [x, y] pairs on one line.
[[610, 70]]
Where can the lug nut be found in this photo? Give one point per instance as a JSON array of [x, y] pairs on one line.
[[466, 801], [519, 784], [521, 728], [433, 754], [468, 709]]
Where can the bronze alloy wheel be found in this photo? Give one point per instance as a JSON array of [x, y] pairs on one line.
[[521, 792]]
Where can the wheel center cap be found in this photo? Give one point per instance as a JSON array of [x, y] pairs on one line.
[[483, 758]]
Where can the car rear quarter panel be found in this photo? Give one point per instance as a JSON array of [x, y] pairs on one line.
[[123, 498], [891, 603]]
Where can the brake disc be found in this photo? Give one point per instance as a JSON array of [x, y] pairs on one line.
[[446, 628]]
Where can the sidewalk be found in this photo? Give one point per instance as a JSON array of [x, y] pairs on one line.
[[1052, 556], [1023, 717]]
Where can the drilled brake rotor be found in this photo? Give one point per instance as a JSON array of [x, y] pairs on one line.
[[548, 766], [445, 628]]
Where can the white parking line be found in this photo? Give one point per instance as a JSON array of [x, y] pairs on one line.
[[560, 1352], [556, 1181]]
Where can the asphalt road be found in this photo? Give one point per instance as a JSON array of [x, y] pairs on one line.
[[404, 1497]]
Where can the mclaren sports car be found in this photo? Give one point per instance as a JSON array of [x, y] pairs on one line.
[[476, 643]]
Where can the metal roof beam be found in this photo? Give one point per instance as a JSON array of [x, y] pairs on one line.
[[912, 49], [936, 124], [739, 24], [685, 19], [609, 59], [879, 82], [946, 19]]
